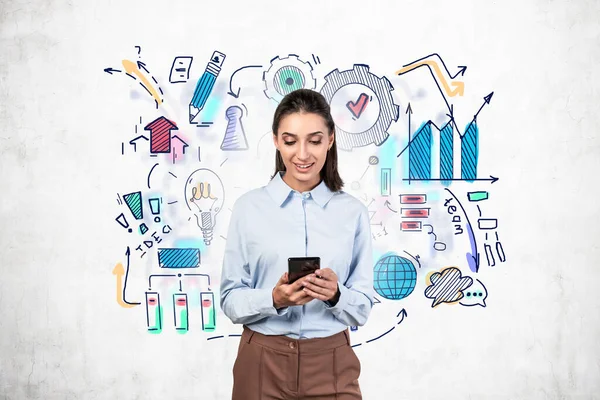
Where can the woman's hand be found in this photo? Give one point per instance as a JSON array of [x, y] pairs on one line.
[[322, 285], [285, 294]]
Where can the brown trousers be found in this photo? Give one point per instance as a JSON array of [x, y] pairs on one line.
[[277, 367]]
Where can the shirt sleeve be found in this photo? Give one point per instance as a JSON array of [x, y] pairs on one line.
[[356, 294], [239, 300]]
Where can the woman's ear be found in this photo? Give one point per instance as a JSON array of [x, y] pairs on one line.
[[331, 140]]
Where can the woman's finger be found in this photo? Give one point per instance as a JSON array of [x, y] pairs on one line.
[[315, 294], [320, 282], [327, 274]]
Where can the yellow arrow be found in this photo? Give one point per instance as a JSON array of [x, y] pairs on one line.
[[132, 68], [459, 87], [119, 271]]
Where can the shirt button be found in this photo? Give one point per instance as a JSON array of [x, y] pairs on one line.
[[306, 195], [292, 345]]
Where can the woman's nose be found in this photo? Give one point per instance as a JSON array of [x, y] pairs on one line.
[[303, 151]]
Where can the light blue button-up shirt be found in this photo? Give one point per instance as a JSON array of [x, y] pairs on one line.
[[272, 223]]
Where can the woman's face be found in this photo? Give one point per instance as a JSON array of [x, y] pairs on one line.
[[303, 141]]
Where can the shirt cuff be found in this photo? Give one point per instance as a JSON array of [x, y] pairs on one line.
[[342, 301], [262, 301]]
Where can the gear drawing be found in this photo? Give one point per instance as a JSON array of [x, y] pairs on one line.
[[360, 76], [286, 75]]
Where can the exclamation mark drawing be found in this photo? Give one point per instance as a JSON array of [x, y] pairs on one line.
[[134, 203], [123, 222], [155, 207]]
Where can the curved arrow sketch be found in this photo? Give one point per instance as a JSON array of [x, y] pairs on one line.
[[134, 68], [404, 315], [231, 93], [458, 88], [119, 271], [473, 256], [461, 68]]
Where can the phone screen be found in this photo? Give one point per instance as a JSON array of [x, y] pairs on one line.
[[302, 266]]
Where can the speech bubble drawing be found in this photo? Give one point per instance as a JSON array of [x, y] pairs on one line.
[[447, 286], [475, 295]]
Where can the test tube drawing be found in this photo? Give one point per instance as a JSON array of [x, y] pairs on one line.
[[180, 312], [153, 312], [386, 181], [207, 302]]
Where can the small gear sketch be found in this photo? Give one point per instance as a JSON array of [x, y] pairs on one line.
[[361, 105], [286, 75]]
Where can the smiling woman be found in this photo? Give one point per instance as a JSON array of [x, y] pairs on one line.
[[295, 342]]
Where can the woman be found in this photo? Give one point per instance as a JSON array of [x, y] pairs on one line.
[[295, 343]]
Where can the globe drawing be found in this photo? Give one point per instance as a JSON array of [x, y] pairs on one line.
[[395, 277]]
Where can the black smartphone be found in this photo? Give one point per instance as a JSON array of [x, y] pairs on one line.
[[302, 266]]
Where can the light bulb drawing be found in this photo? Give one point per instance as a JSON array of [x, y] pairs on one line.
[[204, 196]]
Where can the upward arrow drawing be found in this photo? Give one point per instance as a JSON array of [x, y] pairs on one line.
[[178, 147], [409, 112], [119, 271], [486, 100], [160, 135], [134, 140]]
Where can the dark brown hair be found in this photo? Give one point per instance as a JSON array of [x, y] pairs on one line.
[[309, 101]]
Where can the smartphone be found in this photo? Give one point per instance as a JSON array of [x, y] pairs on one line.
[[302, 266]]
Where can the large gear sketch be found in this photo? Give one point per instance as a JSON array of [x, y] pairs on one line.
[[361, 105], [286, 75]]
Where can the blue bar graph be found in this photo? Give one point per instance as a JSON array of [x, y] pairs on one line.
[[419, 155], [469, 152], [446, 154]]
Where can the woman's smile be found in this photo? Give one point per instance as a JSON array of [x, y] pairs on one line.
[[304, 168]]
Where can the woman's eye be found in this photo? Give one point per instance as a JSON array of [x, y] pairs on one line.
[[289, 143], [317, 143]]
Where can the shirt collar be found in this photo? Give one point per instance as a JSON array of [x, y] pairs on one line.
[[280, 191]]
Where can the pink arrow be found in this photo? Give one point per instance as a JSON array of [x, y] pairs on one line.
[[178, 148]]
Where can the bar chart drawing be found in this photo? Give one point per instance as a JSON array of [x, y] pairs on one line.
[[419, 153], [469, 153], [451, 144], [446, 153]]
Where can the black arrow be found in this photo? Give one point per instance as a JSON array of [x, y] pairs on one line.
[[404, 315], [127, 253], [475, 260], [236, 95], [430, 122], [387, 204], [461, 68], [451, 115], [486, 100], [492, 179], [110, 70], [461, 71], [409, 112], [141, 65]]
